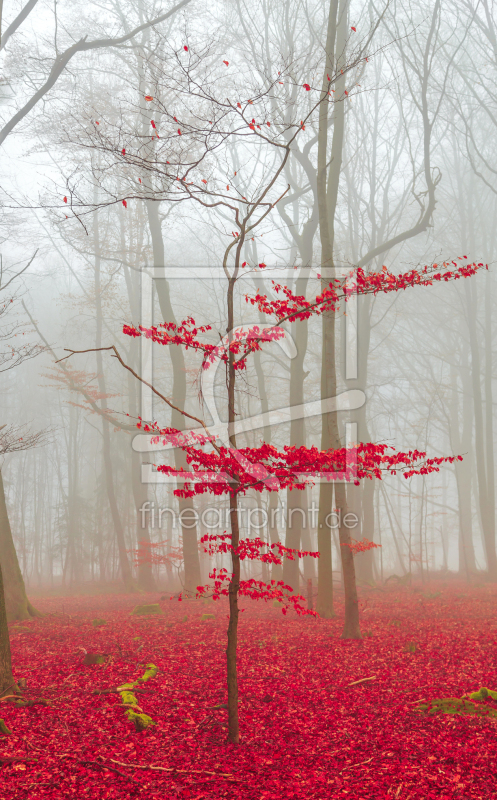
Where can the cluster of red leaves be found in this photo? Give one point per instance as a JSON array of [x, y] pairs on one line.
[[267, 468], [255, 550], [252, 549], [307, 733], [293, 307], [363, 546], [257, 590], [186, 334]]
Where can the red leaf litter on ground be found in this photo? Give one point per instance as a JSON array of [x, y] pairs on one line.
[[311, 726]]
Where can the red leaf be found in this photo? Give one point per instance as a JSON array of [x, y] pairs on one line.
[[123, 151], [185, 48], [152, 124], [148, 97], [179, 132], [268, 124], [352, 28], [239, 105], [203, 180], [227, 63], [307, 87], [244, 264], [65, 199], [262, 265], [125, 204]]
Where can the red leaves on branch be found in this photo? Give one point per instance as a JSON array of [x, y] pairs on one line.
[[307, 87], [227, 63], [124, 203], [148, 97], [65, 199], [186, 334], [360, 547], [296, 307], [256, 590]]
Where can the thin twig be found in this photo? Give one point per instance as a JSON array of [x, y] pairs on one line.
[[173, 769], [362, 680]]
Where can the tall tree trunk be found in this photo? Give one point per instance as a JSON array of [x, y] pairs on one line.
[[17, 604], [327, 192], [234, 587], [483, 449], [186, 506], [106, 443]]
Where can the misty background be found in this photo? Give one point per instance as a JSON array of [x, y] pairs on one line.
[[415, 160]]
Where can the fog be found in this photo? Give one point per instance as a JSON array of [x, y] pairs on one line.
[[367, 141]]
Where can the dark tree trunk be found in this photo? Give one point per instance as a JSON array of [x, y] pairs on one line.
[[16, 601], [6, 677]]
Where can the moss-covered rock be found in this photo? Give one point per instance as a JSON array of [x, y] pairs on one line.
[[99, 623], [152, 608], [206, 617]]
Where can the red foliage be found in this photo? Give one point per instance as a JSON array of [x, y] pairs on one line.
[[186, 334], [360, 547], [308, 735], [294, 307]]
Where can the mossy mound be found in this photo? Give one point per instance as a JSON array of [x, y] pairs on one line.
[[206, 617], [99, 623], [455, 705], [153, 608], [483, 694]]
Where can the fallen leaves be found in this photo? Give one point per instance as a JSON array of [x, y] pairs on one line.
[[311, 727]]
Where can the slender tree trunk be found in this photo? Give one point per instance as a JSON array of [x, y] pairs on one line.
[[106, 444], [231, 649]]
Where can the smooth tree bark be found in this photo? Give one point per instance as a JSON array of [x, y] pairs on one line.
[[124, 565], [327, 191], [186, 506]]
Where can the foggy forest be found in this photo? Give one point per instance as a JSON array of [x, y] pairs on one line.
[[247, 474]]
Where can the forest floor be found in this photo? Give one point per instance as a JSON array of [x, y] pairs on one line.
[[306, 732]]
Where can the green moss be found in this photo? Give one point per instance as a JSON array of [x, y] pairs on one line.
[[206, 617], [4, 729], [483, 694], [129, 699], [140, 721], [149, 673], [98, 623], [455, 705], [153, 608]]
